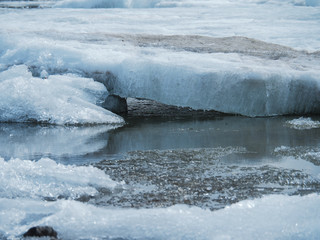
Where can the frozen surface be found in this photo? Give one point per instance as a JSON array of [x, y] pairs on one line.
[[180, 179], [255, 58], [58, 99], [143, 3], [303, 123], [302, 152], [45, 179], [271, 217], [169, 3]]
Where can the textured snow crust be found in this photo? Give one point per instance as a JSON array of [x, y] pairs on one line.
[[254, 58]]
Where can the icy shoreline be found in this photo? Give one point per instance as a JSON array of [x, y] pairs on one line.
[[234, 75], [289, 217], [61, 100], [158, 179], [253, 59], [47, 193], [88, 178]]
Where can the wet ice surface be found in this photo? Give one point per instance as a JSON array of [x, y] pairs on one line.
[[163, 161], [303, 123], [209, 163], [198, 177], [130, 182], [169, 172], [47, 180]]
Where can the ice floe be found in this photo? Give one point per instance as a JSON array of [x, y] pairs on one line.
[[303, 123]]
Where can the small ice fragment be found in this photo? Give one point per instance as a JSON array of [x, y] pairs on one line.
[[44, 74]]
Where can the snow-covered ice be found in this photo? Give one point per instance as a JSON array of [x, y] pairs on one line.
[[59, 99], [45, 179], [169, 3], [59, 59], [303, 123], [271, 217], [28, 188], [255, 58]]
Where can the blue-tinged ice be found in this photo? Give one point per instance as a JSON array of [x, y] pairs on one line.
[[271, 217], [59, 99], [47, 180]]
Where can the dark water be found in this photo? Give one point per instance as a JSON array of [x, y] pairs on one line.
[[209, 163]]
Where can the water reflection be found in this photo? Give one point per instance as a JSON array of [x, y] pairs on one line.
[[206, 163], [66, 144], [79, 145], [260, 136]]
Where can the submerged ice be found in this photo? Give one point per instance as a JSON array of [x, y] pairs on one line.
[[255, 58], [44, 192], [160, 180]]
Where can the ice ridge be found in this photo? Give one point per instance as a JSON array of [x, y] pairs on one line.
[[236, 75]]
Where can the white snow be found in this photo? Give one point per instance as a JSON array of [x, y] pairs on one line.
[[251, 57], [24, 185], [310, 154], [271, 217], [303, 123], [170, 3], [60, 99], [201, 54], [46, 179]]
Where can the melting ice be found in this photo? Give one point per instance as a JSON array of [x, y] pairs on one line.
[[271, 217], [257, 58], [45, 179], [58, 63], [303, 123], [25, 184], [60, 99]]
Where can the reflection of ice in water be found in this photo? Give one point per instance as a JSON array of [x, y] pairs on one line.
[[259, 136], [209, 164], [35, 141]]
